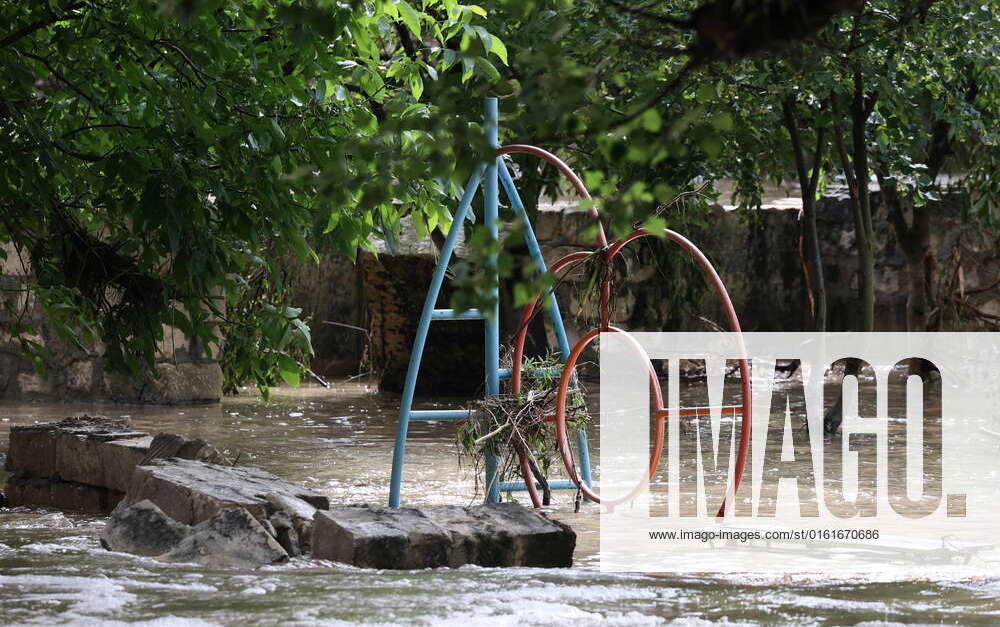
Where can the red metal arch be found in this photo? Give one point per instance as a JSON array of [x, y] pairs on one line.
[[609, 253]]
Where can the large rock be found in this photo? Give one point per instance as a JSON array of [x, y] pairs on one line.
[[230, 539], [85, 463], [191, 492], [487, 535], [142, 529]]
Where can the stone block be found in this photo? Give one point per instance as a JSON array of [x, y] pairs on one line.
[[487, 535], [118, 459], [504, 534], [402, 538], [74, 449], [185, 383], [192, 491]]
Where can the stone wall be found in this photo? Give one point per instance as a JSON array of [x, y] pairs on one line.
[[329, 294], [186, 371], [757, 255]]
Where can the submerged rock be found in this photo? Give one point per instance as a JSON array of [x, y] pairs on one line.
[[504, 534], [283, 530], [61, 495], [301, 514], [230, 539], [142, 529]]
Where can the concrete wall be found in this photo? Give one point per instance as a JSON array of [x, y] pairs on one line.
[[757, 256], [756, 253], [187, 373]]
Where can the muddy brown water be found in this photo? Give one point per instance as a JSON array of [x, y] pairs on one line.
[[339, 441]]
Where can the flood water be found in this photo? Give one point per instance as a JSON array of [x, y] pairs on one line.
[[339, 441]]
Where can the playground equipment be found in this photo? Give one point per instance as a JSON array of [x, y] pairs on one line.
[[489, 175]]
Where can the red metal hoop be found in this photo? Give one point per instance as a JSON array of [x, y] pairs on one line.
[[609, 253]]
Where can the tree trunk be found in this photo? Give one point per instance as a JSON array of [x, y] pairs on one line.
[[915, 242], [866, 246], [855, 167], [813, 259]]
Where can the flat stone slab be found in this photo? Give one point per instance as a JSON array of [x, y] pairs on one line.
[[504, 534], [191, 492]]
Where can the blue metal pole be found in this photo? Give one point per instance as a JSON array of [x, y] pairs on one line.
[[491, 201], [552, 308], [421, 338]]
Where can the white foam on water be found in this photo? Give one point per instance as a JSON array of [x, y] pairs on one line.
[[86, 596], [93, 597]]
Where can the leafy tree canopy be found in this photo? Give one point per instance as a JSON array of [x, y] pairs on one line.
[[159, 159]]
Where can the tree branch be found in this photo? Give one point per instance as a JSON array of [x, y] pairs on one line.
[[28, 29], [787, 108], [93, 126], [651, 15], [817, 160]]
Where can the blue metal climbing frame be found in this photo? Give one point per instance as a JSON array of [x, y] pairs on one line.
[[489, 175]]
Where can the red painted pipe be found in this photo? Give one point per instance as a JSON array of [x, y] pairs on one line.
[[516, 369], [734, 326], [562, 438]]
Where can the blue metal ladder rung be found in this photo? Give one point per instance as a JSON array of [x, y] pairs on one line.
[[518, 486], [428, 415], [451, 314]]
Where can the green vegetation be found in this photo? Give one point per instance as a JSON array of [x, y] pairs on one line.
[[159, 159], [162, 159]]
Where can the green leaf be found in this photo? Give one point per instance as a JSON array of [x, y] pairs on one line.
[[651, 120], [498, 48], [410, 17], [723, 122], [416, 85], [289, 370]]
